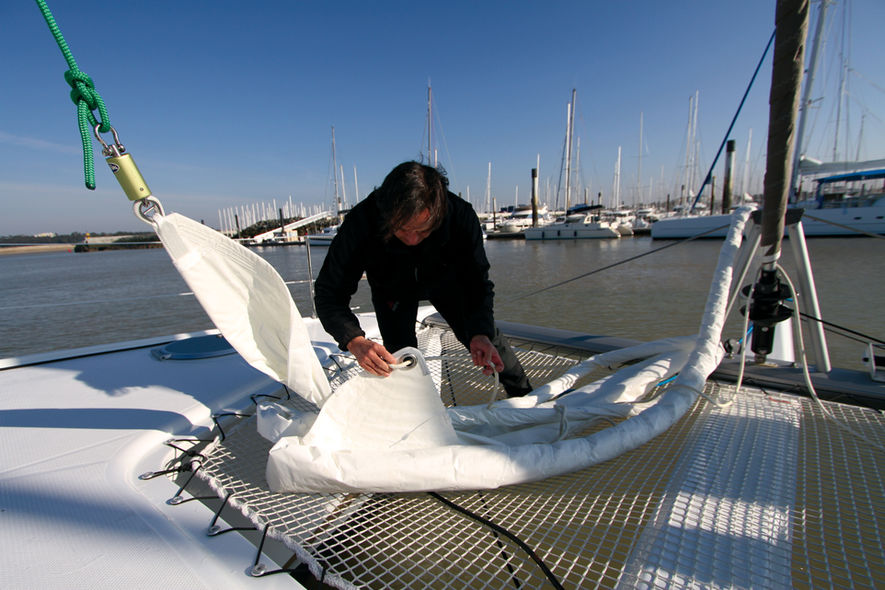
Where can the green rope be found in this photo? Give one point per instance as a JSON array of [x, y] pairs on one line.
[[84, 95]]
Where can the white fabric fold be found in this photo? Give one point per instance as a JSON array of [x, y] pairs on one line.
[[336, 459], [247, 301], [394, 434]]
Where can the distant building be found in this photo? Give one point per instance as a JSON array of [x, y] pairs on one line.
[[48, 234]]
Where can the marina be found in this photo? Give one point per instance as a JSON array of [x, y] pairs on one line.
[[694, 413], [63, 300]]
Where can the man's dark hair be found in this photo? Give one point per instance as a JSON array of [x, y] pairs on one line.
[[407, 190]]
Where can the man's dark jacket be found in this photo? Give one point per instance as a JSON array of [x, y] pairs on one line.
[[449, 267]]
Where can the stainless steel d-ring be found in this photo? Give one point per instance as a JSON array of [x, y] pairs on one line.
[[146, 208]]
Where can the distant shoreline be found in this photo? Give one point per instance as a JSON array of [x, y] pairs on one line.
[[36, 249], [79, 247]]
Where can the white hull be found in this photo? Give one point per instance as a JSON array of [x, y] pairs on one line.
[[712, 226], [831, 221], [625, 229], [324, 238], [870, 219], [571, 231]]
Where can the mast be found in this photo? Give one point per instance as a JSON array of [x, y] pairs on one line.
[[335, 172], [728, 185], [430, 159], [343, 189], [535, 192], [489, 190], [570, 119], [689, 146], [693, 159], [806, 97], [579, 184], [639, 167], [842, 90], [356, 185], [745, 180]]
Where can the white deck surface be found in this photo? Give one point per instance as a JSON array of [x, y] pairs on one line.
[[74, 436]]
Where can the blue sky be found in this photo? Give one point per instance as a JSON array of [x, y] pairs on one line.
[[223, 104]]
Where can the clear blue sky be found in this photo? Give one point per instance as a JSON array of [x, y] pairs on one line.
[[226, 103]]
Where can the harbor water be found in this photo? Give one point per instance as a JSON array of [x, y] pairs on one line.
[[62, 300]]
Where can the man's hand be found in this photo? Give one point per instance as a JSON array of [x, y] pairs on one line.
[[484, 354], [371, 356]]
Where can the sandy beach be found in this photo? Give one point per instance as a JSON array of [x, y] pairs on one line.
[[36, 249]]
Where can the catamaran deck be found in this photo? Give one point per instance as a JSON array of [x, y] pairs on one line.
[[76, 430], [766, 492]]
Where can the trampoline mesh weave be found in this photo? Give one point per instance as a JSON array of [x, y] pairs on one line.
[[765, 493]]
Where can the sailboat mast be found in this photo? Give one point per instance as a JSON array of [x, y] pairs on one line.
[[356, 185], [335, 172], [693, 169], [639, 167], [569, 128], [842, 91], [430, 157], [489, 190], [689, 142], [343, 189], [745, 179], [806, 97]]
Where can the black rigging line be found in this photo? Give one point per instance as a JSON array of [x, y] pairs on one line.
[[733, 120], [499, 529], [861, 336]]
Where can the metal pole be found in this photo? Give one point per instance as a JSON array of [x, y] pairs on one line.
[[728, 185], [568, 150], [313, 303], [534, 197], [808, 301]]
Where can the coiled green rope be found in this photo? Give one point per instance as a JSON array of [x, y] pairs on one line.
[[84, 95]]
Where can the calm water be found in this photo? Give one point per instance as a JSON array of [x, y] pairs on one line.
[[65, 300]]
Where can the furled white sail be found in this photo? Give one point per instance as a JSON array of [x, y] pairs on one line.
[[392, 434]]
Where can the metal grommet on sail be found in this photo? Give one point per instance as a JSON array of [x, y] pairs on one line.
[[407, 361]]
